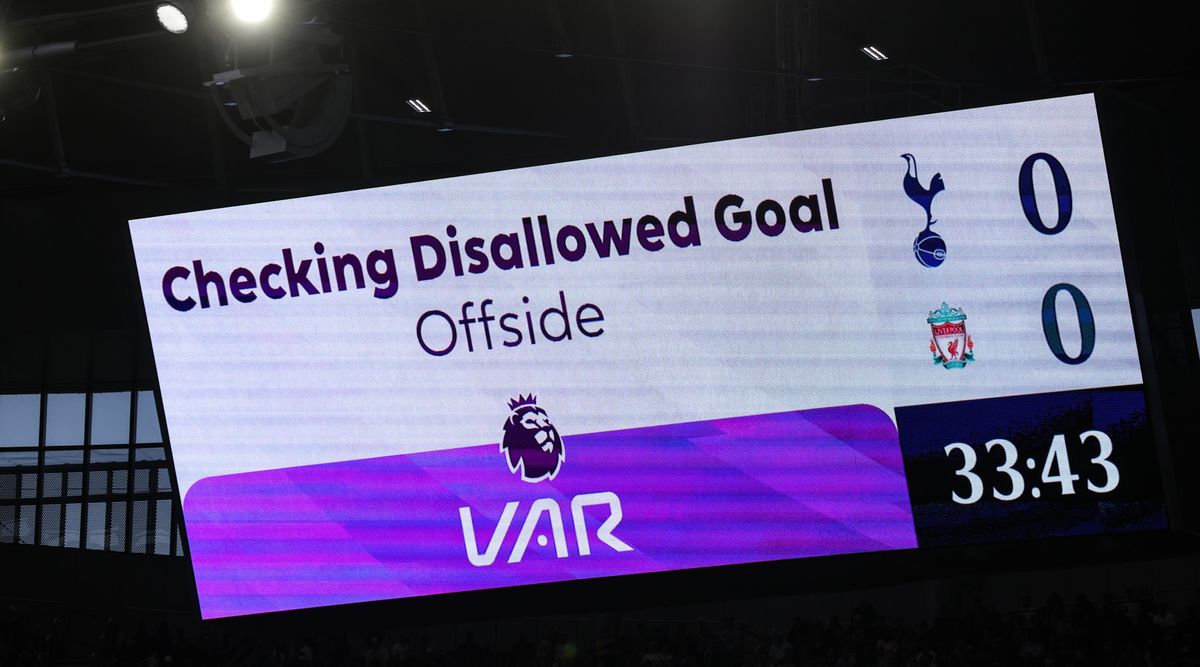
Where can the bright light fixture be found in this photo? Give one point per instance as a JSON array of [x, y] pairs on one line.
[[874, 53], [171, 18], [251, 11], [418, 106]]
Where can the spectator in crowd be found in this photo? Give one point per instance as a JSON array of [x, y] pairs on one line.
[[1134, 630]]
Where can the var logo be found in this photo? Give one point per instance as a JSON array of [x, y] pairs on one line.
[[533, 448], [548, 507]]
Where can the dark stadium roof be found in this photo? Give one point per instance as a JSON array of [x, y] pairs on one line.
[[641, 75]]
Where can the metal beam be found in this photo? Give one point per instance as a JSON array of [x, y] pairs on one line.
[[360, 115], [558, 29], [81, 173], [436, 92], [131, 83], [613, 57], [632, 120], [468, 127], [360, 125], [1034, 23], [113, 178], [209, 99], [55, 128], [79, 16], [31, 166]]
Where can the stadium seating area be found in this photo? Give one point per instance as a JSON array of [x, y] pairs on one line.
[[1118, 630]]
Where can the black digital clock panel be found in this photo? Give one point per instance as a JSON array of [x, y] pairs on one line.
[[1039, 465]]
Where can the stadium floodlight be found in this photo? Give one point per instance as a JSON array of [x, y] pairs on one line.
[[874, 53], [286, 97], [172, 17], [251, 11]]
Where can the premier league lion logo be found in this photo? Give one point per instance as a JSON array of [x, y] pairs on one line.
[[531, 443]]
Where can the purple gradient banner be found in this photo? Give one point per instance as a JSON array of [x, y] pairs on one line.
[[720, 492]]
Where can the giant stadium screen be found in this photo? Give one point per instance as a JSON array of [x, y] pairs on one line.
[[891, 335]]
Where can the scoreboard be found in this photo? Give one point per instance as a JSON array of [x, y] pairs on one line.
[[892, 335]]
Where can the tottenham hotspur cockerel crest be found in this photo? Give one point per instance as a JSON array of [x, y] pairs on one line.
[[531, 443]]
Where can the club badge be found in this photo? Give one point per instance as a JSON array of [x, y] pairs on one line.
[[950, 344], [929, 247]]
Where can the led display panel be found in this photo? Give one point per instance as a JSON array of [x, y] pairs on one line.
[[903, 333]]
